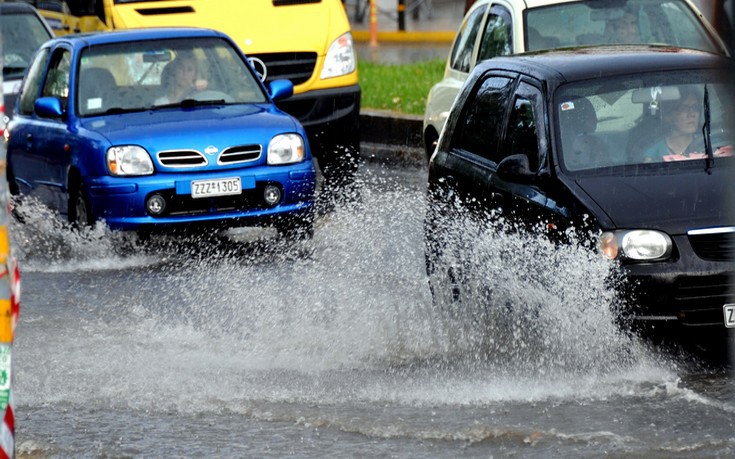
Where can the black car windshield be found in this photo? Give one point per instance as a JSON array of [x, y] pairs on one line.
[[644, 119], [20, 35], [593, 22], [162, 74]]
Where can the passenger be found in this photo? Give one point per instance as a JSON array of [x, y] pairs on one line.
[[623, 30], [683, 129], [179, 78]]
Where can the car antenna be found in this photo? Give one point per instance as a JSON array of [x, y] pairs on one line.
[[710, 159]]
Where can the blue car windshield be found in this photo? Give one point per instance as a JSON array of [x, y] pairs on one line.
[[144, 75], [595, 22], [659, 118]]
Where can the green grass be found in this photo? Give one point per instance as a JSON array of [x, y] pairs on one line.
[[398, 88]]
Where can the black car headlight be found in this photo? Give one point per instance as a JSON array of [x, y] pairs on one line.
[[636, 245], [129, 160]]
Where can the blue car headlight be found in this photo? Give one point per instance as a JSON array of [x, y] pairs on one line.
[[636, 245], [129, 160], [340, 59], [286, 149]]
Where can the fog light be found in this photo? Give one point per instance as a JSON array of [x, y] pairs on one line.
[[271, 195], [156, 204]]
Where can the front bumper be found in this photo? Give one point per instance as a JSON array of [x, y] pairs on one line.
[[688, 291], [120, 201]]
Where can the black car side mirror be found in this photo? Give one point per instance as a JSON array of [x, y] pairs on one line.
[[515, 168], [48, 107]]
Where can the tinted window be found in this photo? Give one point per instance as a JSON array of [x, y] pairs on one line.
[[479, 128], [32, 83], [632, 21], [497, 40], [464, 44], [524, 134]]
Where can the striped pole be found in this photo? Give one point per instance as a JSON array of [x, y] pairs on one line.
[[9, 308]]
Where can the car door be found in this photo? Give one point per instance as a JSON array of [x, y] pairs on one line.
[[473, 146], [42, 161], [522, 185]]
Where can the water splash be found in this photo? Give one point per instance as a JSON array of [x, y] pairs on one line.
[[345, 316]]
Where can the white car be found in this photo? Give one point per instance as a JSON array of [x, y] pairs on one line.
[[501, 27]]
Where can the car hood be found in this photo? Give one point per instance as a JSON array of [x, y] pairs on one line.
[[672, 203], [256, 26], [197, 128]]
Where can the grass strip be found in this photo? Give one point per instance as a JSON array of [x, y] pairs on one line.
[[398, 88]]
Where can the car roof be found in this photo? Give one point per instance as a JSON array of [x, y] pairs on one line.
[[576, 64], [121, 36]]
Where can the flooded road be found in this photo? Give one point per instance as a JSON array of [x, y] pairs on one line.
[[331, 348]]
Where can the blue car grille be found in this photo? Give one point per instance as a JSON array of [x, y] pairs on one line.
[[194, 158], [241, 154], [182, 158]]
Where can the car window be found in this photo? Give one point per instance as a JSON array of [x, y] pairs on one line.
[[497, 39], [32, 83], [21, 35], [144, 75], [480, 125], [592, 22], [653, 119], [464, 43], [57, 77], [523, 134]]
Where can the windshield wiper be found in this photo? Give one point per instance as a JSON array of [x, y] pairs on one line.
[[119, 110], [710, 159], [196, 103], [188, 103]]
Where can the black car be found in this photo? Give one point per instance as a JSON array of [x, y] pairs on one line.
[[22, 32], [630, 147]]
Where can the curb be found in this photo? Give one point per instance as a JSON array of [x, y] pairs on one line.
[[392, 138]]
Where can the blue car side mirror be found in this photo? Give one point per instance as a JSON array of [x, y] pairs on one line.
[[280, 89], [49, 107]]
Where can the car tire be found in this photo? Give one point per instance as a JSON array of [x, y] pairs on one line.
[[296, 228], [444, 277], [79, 211], [431, 138]]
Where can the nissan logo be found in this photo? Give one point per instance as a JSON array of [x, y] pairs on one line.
[[259, 67]]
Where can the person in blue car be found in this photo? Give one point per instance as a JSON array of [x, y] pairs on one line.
[[179, 78]]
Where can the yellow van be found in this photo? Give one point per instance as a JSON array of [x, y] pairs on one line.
[[306, 41]]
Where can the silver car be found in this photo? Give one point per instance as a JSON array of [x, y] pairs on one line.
[[502, 27]]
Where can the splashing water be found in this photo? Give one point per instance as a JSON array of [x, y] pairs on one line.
[[347, 315]]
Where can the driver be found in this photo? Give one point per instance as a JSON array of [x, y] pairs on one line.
[[179, 78]]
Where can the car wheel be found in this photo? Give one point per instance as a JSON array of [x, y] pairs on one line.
[[296, 228], [442, 268], [431, 138], [79, 212]]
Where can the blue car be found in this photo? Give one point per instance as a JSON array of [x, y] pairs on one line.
[[159, 129]]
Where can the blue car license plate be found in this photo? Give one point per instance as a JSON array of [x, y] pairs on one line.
[[729, 310], [216, 187]]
